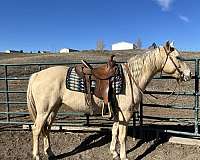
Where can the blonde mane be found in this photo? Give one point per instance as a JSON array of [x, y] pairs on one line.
[[143, 63]]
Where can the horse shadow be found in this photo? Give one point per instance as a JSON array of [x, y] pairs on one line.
[[155, 135], [95, 140], [153, 147], [154, 144], [102, 138]]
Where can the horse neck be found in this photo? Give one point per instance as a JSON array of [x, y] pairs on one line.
[[146, 67]]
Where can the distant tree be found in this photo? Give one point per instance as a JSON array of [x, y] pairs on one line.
[[100, 46], [138, 43]]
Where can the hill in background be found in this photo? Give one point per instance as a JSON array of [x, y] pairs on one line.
[[91, 56]]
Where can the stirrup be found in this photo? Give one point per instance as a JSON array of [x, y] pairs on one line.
[[109, 115]]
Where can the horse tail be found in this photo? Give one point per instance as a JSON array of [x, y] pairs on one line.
[[30, 99]]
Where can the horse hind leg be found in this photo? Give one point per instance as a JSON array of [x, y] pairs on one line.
[[46, 139], [36, 130], [45, 132]]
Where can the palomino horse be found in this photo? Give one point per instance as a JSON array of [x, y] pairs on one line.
[[47, 92]]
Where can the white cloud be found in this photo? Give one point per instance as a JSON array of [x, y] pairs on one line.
[[164, 4], [184, 18]]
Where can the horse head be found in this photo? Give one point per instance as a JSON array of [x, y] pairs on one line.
[[174, 64]]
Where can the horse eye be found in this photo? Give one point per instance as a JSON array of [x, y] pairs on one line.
[[171, 49], [179, 58]]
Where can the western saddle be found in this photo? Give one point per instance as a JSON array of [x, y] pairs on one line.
[[102, 76]]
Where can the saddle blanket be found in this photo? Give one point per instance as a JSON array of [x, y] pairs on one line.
[[75, 83]]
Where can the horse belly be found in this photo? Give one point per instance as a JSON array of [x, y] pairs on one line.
[[75, 101]]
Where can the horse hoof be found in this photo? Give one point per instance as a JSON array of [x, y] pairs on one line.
[[36, 158], [51, 157], [50, 154], [116, 157]]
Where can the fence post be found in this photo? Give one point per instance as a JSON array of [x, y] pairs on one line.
[[134, 125], [196, 109], [7, 94], [40, 67], [87, 119], [141, 118]]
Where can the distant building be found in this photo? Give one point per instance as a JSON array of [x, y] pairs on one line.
[[123, 46], [44, 52], [14, 51], [67, 50]]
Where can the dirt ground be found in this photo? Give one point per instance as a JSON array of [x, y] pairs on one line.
[[17, 145]]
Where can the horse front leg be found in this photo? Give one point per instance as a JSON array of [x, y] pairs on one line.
[[114, 140], [123, 125], [122, 140]]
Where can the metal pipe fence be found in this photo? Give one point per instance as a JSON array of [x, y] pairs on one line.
[[13, 110], [192, 127]]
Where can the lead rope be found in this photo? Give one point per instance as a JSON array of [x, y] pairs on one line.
[[131, 77], [167, 97]]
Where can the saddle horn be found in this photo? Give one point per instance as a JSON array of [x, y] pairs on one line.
[[111, 62], [87, 65]]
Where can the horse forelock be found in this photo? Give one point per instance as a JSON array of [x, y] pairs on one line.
[[145, 62]]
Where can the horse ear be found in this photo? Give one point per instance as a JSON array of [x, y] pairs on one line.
[[172, 44], [167, 46]]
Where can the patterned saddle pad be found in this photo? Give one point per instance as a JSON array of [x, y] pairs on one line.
[[75, 83]]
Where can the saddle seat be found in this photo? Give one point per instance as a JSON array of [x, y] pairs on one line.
[[102, 75], [102, 72]]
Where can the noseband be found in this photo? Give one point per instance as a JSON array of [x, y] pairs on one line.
[[168, 55]]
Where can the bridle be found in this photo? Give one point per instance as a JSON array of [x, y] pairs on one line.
[[169, 56]]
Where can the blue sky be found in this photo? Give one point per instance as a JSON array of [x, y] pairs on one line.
[[54, 24]]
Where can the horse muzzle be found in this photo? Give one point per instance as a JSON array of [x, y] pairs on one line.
[[186, 76]]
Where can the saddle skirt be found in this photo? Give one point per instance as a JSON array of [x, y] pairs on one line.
[[76, 83]]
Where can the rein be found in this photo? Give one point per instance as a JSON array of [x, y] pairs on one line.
[[131, 77], [164, 98]]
